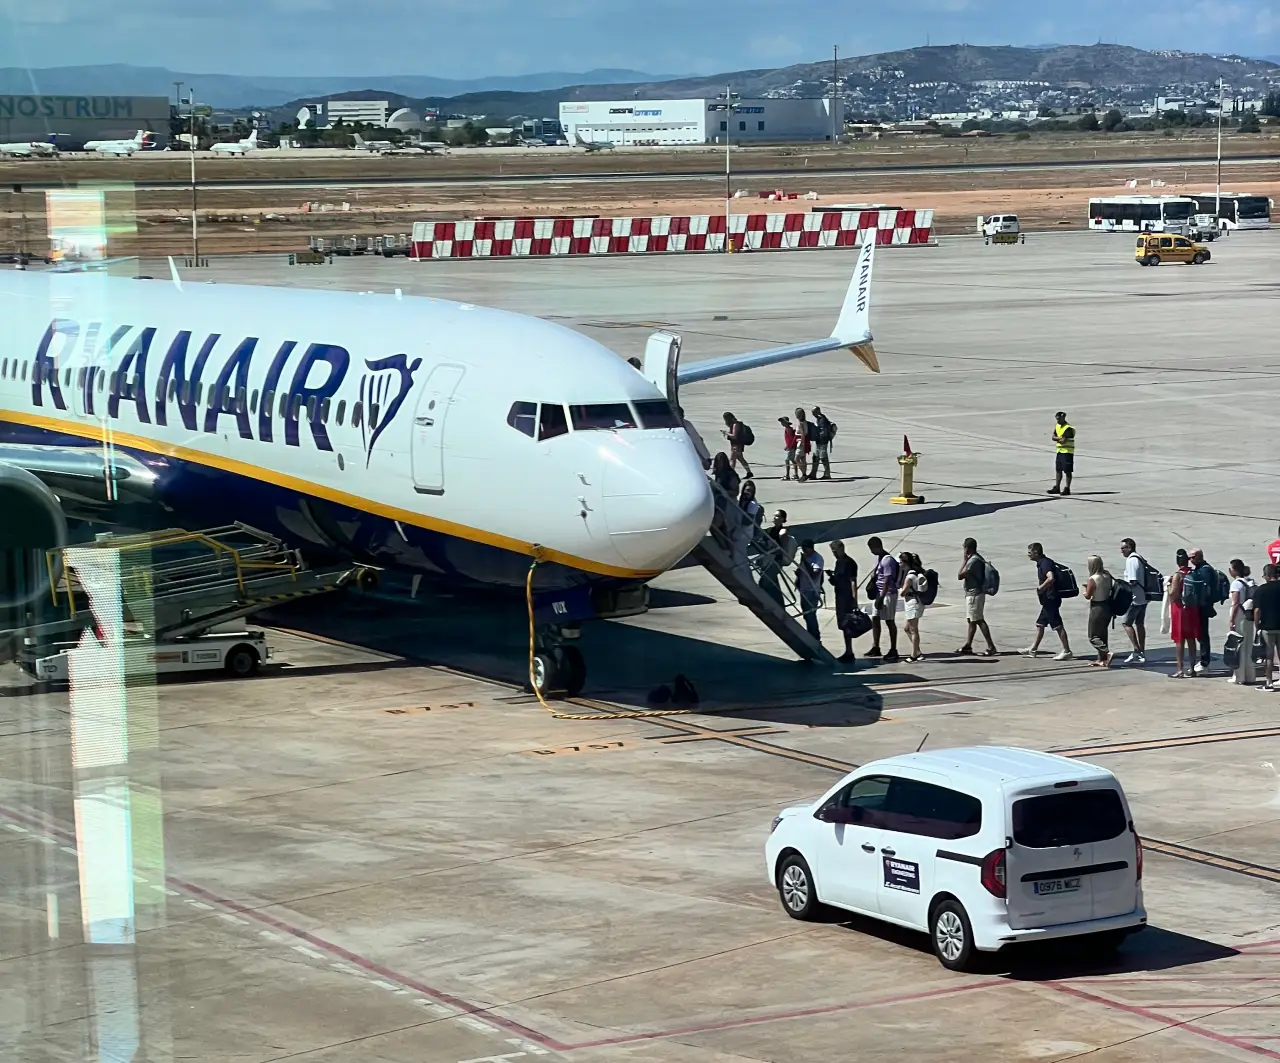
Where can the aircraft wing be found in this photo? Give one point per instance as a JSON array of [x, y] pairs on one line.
[[852, 331]]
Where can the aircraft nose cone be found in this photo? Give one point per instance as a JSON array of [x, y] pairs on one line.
[[657, 502]]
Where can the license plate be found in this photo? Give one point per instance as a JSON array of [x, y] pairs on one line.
[[1055, 885]]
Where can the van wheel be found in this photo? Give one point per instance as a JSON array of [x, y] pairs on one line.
[[1153, 260], [795, 888], [952, 936], [242, 662], [1199, 258]]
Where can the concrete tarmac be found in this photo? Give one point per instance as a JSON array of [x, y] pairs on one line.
[[382, 850]]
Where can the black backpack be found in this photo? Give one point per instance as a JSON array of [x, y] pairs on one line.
[[930, 593], [1152, 581], [1121, 597], [1065, 582], [748, 436]]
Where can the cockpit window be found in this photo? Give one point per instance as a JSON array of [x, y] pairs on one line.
[[657, 413], [523, 416], [605, 417], [552, 422]]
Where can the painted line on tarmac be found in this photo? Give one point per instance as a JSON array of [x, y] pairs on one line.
[[1202, 856], [1169, 743]]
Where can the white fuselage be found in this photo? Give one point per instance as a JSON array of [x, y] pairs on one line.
[[401, 411]]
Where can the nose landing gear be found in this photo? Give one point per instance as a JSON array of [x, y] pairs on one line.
[[558, 666]]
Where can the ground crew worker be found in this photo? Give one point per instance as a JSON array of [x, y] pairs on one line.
[[1064, 441]]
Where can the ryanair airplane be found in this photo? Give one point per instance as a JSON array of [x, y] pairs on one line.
[[413, 434]]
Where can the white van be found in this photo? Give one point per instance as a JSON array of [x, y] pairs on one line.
[[978, 847], [1000, 228]]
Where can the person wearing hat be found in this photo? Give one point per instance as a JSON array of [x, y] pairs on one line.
[[1064, 442], [823, 433], [789, 443]]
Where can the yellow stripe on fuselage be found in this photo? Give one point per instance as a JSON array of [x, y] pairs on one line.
[[307, 487]]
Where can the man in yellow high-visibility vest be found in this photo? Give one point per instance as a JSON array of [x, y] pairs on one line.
[[1064, 442]]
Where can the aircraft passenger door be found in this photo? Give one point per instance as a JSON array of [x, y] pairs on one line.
[[429, 424]]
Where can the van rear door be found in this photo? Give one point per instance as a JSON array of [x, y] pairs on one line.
[[1071, 855]]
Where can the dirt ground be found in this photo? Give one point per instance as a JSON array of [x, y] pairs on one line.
[[247, 220]]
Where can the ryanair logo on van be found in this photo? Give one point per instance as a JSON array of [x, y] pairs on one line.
[[204, 381]]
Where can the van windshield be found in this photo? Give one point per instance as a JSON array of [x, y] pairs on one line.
[[1077, 817]]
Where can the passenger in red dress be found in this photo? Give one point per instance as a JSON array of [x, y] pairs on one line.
[[1184, 620]]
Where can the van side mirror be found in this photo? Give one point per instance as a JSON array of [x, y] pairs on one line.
[[836, 814]]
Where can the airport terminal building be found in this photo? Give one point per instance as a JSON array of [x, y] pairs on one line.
[[639, 123], [71, 120]]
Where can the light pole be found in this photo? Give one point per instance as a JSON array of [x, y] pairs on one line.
[[727, 104], [1217, 192], [195, 218]]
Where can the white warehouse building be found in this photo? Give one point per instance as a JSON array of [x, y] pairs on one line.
[[627, 123]]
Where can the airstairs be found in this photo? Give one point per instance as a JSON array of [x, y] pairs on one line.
[[185, 583], [748, 563]]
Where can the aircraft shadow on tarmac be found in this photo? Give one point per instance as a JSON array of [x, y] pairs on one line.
[[1153, 949], [486, 635]]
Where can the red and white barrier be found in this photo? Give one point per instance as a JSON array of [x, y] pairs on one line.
[[527, 237]]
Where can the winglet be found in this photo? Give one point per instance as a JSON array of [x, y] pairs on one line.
[[854, 323], [173, 272]]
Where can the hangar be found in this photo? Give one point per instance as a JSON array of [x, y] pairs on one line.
[[71, 120]]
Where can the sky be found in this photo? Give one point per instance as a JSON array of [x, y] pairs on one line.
[[478, 38]]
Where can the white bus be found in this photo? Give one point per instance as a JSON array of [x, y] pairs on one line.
[[1237, 210], [1152, 214]]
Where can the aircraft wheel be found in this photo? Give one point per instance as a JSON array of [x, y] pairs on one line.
[[545, 674], [573, 671]]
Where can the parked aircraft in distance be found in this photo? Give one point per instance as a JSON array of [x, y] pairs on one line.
[[119, 147], [376, 146], [29, 149], [491, 440], [238, 147], [592, 145]]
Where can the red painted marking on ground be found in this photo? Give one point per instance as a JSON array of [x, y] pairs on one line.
[[1258, 945], [1167, 1021], [466, 1007], [798, 1013]]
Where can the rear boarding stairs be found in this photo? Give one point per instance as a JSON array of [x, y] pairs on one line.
[[185, 584]]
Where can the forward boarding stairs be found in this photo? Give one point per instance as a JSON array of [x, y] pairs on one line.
[[748, 563]]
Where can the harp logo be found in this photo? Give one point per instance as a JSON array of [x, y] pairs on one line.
[[383, 389]]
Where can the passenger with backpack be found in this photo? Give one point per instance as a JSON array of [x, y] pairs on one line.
[[1184, 615], [740, 437], [1053, 583], [1098, 592], [1211, 589], [919, 589], [980, 579], [804, 437], [1138, 576], [824, 434]]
